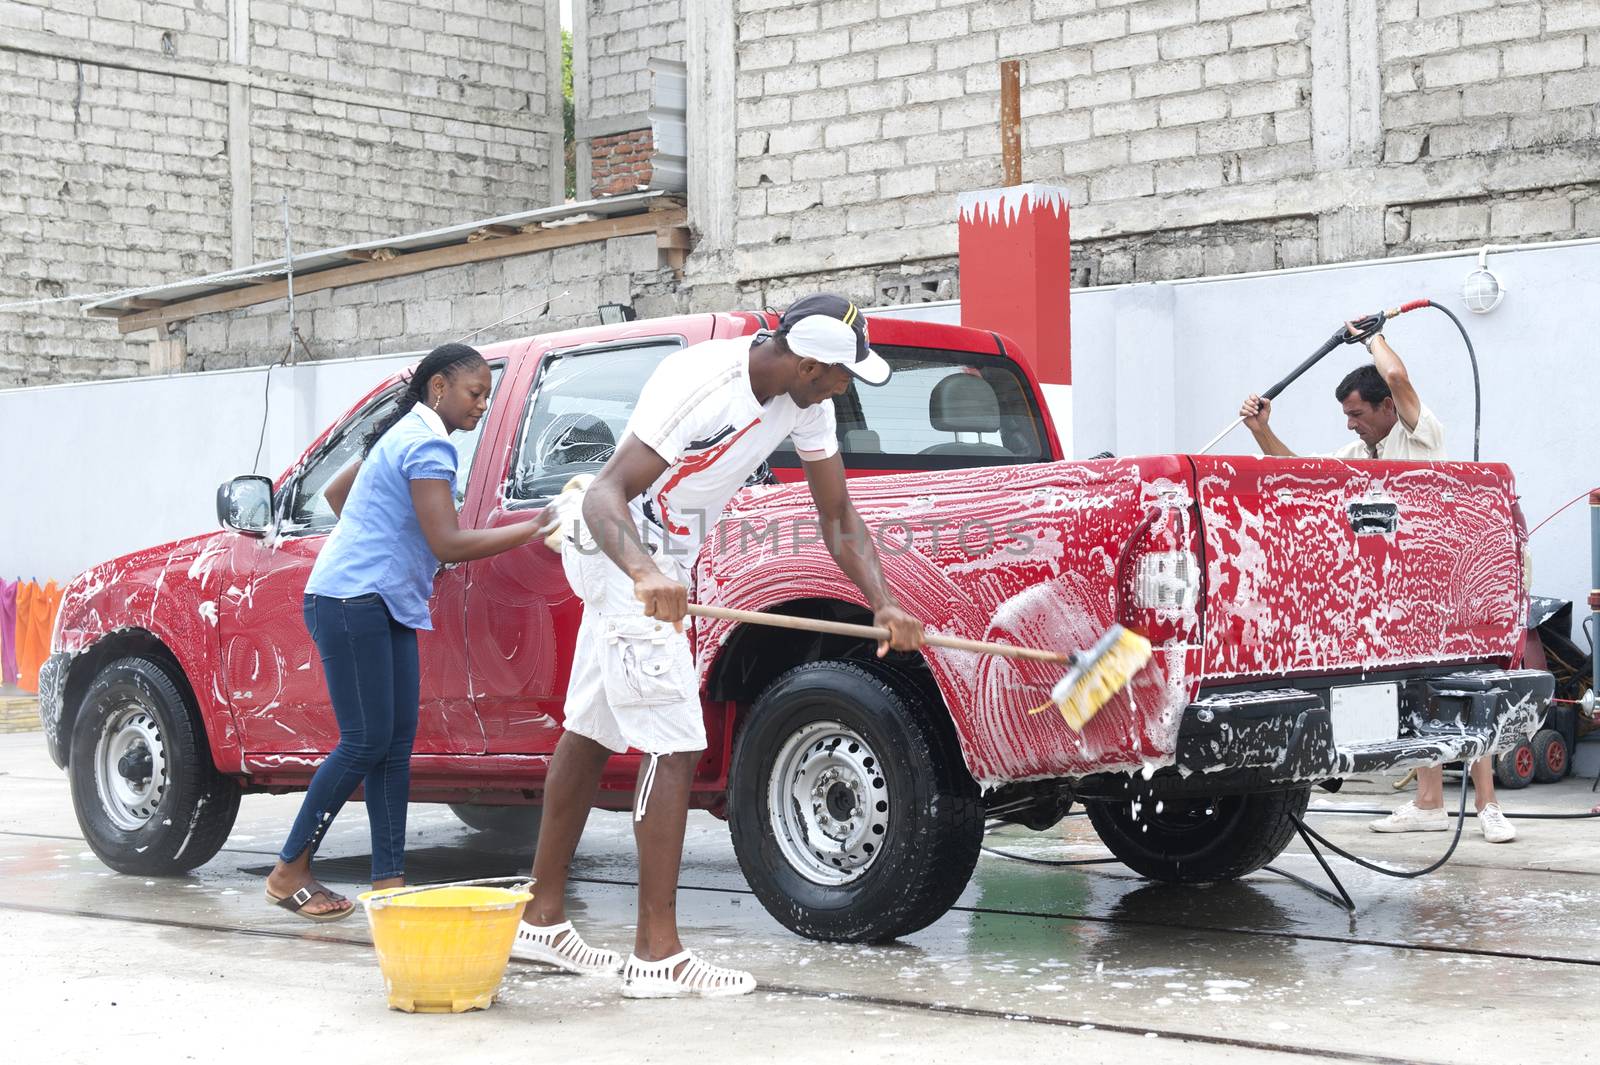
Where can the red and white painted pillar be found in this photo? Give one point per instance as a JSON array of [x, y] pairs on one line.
[[1015, 266]]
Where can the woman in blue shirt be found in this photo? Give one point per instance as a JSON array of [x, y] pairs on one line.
[[366, 599]]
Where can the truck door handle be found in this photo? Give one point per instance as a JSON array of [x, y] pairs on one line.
[[1373, 518]]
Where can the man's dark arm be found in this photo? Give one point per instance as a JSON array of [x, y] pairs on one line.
[[849, 541], [634, 468]]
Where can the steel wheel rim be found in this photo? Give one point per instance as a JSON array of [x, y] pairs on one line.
[[828, 803], [130, 790]]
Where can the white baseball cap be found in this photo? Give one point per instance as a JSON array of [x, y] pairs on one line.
[[830, 329]]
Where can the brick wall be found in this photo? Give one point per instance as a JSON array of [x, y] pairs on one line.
[[620, 163], [139, 144], [423, 310]]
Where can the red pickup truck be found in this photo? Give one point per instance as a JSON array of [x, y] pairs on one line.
[[1312, 619]]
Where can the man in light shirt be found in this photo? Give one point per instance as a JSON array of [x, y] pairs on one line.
[[1382, 408]]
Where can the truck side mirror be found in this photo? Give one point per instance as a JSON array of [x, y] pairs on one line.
[[244, 504]]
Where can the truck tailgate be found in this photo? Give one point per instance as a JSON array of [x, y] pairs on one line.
[[1322, 566]]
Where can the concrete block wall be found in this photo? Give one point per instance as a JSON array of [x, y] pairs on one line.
[[107, 176], [1474, 84], [143, 141], [424, 310], [613, 42], [621, 37], [356, 172], [1194, 136], [482, 53]]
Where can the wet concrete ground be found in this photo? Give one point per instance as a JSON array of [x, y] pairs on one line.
[[1496, 957]]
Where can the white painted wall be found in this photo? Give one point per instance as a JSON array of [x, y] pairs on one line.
[[1163, 367], [107, 467], [99, 469]]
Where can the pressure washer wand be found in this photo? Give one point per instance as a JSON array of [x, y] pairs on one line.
[[1365, 327]]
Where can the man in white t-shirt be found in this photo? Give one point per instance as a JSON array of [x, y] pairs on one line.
[[1383, 408], [706, 419]]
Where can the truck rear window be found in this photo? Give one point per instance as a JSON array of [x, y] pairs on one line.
[[940, 410]]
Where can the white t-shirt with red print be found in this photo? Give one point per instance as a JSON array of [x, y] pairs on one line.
[[698, 412]]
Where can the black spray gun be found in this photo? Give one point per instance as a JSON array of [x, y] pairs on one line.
[[1355, 333]]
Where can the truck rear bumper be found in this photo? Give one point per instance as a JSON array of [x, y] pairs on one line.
[[1287, 735]]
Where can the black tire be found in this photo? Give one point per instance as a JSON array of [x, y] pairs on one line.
[[177, 816], [900, 782], [1514, 769], [1197, 840], [517, 824], [1551, 759]]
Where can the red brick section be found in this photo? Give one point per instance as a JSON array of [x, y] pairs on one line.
[[621, 163]]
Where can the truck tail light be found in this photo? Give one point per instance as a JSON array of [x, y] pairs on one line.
[[1160, 580], [1166, 580]]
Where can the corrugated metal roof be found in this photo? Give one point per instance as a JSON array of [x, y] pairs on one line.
[[327, 258]]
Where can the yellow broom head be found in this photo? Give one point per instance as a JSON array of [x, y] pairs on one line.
[[1097, 675]]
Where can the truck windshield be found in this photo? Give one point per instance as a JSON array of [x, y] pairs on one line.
[[579, 410], [940, 410]]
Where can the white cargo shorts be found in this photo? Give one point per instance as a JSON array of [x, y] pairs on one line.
[[633, 678]]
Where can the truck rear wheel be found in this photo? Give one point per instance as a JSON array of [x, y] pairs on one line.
[[1188, 840], [148, 798], [853, 817]]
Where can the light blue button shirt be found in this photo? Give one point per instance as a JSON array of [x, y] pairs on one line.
[[378, 545]]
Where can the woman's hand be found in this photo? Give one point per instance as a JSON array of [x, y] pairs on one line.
[[539, 526]]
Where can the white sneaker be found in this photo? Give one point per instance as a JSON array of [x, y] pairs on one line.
[[1495, 827], [561, 946], [1408, 818], [654, 979]]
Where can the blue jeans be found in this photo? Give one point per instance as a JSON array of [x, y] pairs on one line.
[[373, 681]]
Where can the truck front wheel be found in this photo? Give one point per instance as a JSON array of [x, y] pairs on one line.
[[147, 796], [513, 824], [852, 814], [1188, 841]]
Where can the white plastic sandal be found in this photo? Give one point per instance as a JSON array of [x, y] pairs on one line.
[[561, 945], [654, 979]]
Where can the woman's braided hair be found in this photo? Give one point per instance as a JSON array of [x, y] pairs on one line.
[[447, 359]]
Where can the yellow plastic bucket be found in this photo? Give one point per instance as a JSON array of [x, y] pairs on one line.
[[443, 949]]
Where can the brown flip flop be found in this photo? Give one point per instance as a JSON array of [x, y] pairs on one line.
[[296, 902]]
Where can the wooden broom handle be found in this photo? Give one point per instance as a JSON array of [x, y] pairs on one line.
[[871, 632]]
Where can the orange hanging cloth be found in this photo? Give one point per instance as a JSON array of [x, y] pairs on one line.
[[52, 598], [30, 655]]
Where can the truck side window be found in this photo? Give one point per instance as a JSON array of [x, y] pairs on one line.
[[310, 513], [940, 410], [578, 410]]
